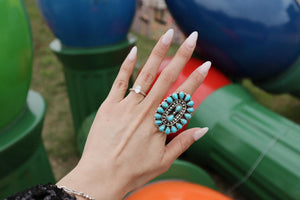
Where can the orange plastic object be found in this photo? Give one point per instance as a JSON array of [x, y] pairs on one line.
[[176, 190], [214, 80]]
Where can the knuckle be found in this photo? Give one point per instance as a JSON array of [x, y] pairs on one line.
[[159, 52], [184, 144], [184, 52], [125, 69], [165, 167], [168, 76], [147, 77], [121, 85], [181, 146], [197, 79]]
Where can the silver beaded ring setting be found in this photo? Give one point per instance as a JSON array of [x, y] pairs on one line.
[[174, 112]]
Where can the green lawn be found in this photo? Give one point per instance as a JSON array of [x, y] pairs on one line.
[[48, 79]]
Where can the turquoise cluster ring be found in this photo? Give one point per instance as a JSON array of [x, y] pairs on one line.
[[174, 112]]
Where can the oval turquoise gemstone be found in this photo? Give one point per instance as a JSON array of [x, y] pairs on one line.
[[164, 104], [169, 100], [190, 103], [183, 121], [190, 110], [175, 96], [188, 116], [168, 131], [179, 126], [162, 128], [158, 122], [187, 98], [178, 108], [181, 95], [157, 116], [173, 129], [170, 118], [160, 110]]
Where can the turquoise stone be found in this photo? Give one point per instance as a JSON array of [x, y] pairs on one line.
[[188, 116], [164, 104], [190, 110], [170, 118], [178, 108], [162, 128], [169, 100], [175, 96], [181, 95], [160, 110], [187, 97], [190, 103], [179, 126], [158, 122], [168, 130], [157, 116], [183, 121], [173, 129]]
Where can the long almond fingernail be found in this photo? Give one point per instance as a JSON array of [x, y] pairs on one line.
[[198, 134], [191, 40], [203, 69], [167, 37], [132, 53]]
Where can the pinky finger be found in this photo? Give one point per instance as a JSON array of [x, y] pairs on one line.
[[120, 84], [181, 143]]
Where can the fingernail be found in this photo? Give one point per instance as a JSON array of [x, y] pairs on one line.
[[191, 40], [132, 53], [167, 37], [203, 69], [198, 134]]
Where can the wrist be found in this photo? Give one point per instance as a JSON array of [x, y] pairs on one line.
[[97, 186]]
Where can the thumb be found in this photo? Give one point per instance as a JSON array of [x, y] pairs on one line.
[[181, 143]]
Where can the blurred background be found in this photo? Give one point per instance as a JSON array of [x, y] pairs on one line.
[[151, 20]]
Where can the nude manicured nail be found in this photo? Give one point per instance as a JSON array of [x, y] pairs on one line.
[[132, 53], [191, 40], [167, 37], [203, 69], [198, 134]]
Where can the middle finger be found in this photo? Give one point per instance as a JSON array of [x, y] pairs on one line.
[[169, 75]]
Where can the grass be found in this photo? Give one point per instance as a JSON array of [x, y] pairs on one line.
[[48, 79]]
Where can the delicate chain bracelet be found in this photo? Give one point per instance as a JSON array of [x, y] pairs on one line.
[[81, 194]]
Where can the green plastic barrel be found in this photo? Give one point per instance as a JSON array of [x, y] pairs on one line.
[[16, 54], [253, 148], [185, 171], [287, 82], [89, 74], [23, 159], [84, 131]]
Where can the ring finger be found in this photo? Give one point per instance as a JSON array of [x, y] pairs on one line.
[[190, 85]]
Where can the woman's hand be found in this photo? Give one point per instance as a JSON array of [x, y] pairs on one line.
[[124, 149]]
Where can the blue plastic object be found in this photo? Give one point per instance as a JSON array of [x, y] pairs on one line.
[[88, 23], [250, 38]]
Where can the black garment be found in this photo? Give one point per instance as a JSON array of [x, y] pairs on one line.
[[42, 192]]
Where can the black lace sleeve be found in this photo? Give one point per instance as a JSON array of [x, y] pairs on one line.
[[42, 192]]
